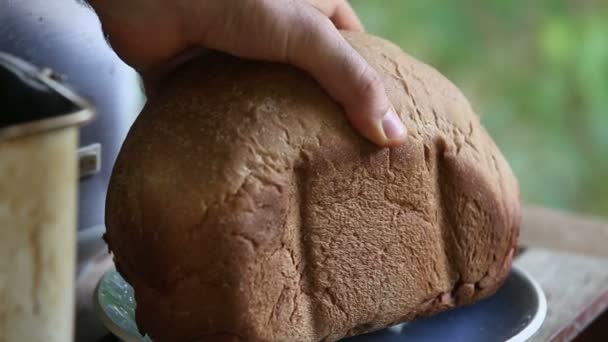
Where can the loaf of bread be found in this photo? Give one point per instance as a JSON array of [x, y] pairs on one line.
[[244, 207]]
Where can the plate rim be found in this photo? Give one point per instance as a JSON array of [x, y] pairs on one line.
[[117, 330], [541, 310], [524, 335]]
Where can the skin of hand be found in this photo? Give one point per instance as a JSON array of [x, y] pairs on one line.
[[155, 35]]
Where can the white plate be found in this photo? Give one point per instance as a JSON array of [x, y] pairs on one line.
[[513, 314]]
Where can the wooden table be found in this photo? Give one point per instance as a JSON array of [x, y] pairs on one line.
[[567, 254], [576, 287]]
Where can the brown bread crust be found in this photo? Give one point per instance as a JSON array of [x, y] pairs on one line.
[[243, 206]]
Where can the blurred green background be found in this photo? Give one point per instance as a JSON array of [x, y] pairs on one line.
[[535, 71]]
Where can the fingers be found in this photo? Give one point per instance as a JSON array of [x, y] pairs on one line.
[[294, 32], [149, 33], [341, 14], [316, 46], [345, 18]]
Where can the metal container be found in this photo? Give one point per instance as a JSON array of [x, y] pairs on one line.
[[39, 130], [66, 36]]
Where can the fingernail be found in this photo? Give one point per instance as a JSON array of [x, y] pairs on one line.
[[392, 125]]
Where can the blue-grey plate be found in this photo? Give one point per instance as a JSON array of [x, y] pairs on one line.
[[513, 314]]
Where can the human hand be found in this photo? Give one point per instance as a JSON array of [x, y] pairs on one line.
[[155, 35]]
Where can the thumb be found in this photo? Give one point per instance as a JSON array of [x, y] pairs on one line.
[[316, 46]]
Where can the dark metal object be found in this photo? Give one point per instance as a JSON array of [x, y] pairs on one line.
[[34, 102]]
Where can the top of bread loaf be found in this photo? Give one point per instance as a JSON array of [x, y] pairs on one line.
[[204, 190]]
